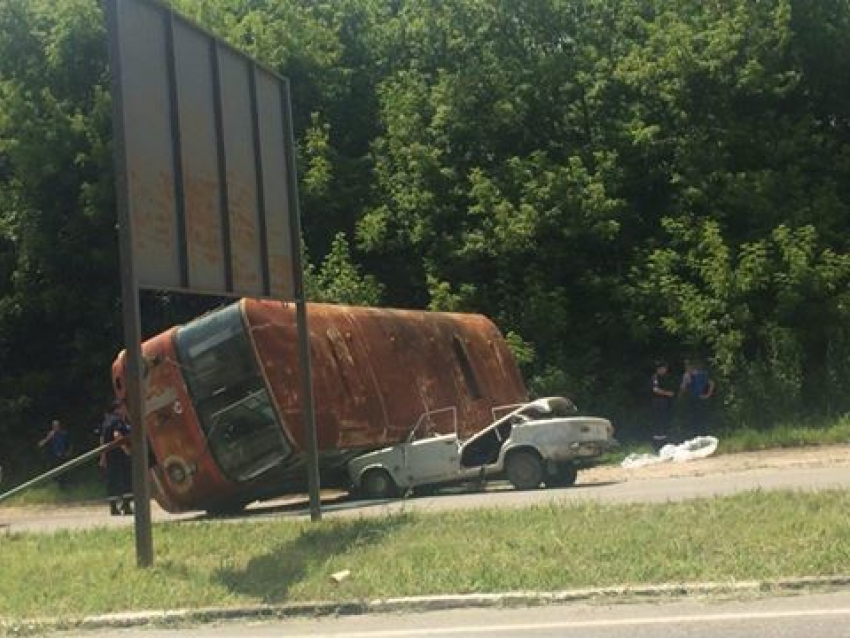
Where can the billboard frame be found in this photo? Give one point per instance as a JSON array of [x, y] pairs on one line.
[[130, 255]]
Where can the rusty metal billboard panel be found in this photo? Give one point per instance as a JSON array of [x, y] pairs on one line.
[[203, 134]]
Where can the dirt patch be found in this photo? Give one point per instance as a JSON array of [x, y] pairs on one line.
[[826, 456]]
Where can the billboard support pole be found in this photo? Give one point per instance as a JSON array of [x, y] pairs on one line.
[[308, 415], [130, 307], [167, 176], [136, 407]]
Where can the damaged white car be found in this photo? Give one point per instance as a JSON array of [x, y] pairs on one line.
[[541, 442]]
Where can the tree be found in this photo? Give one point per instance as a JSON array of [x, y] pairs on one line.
[[57, 238]]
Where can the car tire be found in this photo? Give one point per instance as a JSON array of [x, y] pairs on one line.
[[565, 475], [524, 469], [377, 483]]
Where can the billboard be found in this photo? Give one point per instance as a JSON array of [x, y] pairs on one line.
[[205, 135]]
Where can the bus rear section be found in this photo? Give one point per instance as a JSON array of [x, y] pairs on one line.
[[223, 408]]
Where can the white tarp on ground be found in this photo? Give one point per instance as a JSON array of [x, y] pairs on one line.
[[698, 448]]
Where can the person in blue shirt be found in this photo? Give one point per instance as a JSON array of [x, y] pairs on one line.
[[57, 443], [698, 389]]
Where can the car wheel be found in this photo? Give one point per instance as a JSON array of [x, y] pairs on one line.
[[524, 469], [378, 484], [565, 475]]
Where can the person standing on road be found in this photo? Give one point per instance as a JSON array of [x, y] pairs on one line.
[[662, 405], [117, 461], [698, 389], [57, 443]]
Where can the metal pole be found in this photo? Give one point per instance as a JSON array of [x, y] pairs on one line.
[[304, 363], [65, 467], [138, 435], [309, 416], [130, 302]]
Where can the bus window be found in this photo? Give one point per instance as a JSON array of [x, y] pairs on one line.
[[229, 395]]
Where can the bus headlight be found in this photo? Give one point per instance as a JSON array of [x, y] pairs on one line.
[[179, 472]]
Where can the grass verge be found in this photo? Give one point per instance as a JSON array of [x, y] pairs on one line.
[[53, 494], [788, 435], [80, 484], [749, 536], [785, 436]]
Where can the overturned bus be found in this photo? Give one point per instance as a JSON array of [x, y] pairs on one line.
[[223, 405]]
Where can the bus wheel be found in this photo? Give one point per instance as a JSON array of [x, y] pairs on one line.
[[524, 469], [377, 483], [565, 475]]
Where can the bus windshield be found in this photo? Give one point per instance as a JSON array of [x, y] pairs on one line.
[[229, 395]]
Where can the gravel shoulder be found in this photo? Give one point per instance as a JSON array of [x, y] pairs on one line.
[[807, 457]]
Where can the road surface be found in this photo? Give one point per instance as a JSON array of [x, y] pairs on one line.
[[808, 469], [823, 615]]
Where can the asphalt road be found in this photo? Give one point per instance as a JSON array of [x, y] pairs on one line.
[[810, 616], [649, 490], [634, 487]]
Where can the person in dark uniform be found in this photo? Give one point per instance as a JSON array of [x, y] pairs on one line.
[[117, 461], [662, 405]]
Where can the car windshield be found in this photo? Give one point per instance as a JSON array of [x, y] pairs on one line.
[[434, 423]]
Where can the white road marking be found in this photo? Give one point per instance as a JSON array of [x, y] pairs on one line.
[[580, 624]]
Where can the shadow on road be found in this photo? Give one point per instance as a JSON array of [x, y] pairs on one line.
[[268, 578], [296, 508], [343, 502], [272, 508]]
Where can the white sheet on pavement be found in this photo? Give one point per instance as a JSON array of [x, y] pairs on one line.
[[698, 448]]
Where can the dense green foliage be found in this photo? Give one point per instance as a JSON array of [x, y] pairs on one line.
[[609, 181]]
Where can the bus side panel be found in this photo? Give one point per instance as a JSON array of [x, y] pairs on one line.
[[413, 367], [493, 363], [345, 399], [346, 379], [375, 371], [424, 361]]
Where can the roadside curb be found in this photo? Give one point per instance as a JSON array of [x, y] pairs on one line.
[[420, 604]]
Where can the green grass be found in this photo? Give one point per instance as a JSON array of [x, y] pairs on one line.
[[748, 536], [51, 494], [785, 436], [833, 432]]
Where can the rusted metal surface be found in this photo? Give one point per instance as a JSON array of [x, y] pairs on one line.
[[207, 158], [375, 372], [173, 432]]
